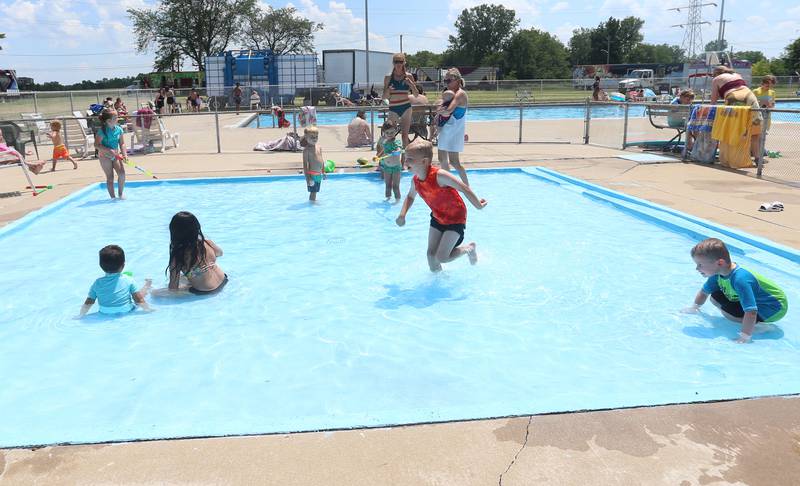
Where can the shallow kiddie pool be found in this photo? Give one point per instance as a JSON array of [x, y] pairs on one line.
[[332, 320]]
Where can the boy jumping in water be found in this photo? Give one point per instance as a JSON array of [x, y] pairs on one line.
[[439, 189], [741, 296]]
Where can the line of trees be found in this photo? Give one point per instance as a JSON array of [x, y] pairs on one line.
[[488, 35], [181, 30]]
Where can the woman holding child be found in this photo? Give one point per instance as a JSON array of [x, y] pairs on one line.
[[451, 134]]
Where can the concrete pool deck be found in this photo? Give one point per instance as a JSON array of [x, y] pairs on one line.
[[738, 442]]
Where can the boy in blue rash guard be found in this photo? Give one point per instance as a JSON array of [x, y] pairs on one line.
[[116, 292], [741, 295]]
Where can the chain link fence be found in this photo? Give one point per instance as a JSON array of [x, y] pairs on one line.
[[660, 127]]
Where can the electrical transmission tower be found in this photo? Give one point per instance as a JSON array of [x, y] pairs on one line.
[[692, 43]]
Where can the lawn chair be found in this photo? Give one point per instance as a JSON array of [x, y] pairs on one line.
[[15, 137], [78, 136], [14, 158], [157, 133], [37, 125]]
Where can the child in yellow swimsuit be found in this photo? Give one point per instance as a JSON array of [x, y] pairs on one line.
[[60, 150]]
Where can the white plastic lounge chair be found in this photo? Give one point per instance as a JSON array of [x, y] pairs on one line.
[[78, 135], [157, 133], [13, 158], [37, 125]]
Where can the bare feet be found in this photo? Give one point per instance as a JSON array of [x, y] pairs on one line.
[[53, 169], [472, 253], [74, 165], [121, 197]]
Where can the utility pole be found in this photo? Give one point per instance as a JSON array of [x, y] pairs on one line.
[[608, 48], [366, 34], [721, 34], [692, 37], [401, 42]]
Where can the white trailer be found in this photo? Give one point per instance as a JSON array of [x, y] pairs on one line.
[[350, 66]]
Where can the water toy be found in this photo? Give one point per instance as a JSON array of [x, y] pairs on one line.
[[774, 154], [616, 96], [140, 169], [330, 165], [39, 187], [130, 274], [362, 161], [397, 152], [35, 193]]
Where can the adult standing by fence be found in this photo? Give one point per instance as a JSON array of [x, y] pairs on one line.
[[396, 87], [451, 135], [731, 87]]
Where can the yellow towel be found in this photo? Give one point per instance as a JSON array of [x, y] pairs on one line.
[[732, 127]]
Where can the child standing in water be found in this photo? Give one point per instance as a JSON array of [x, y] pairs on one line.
[[60, 150], [192, 255], [313, 163], [390, 164], [439, 189], [111, 151]]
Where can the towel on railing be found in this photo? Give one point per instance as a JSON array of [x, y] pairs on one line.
[[308, 116], [733, 128], [701, 119]]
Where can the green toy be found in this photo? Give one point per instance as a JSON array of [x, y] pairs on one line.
[[774, 154], [330, 166]]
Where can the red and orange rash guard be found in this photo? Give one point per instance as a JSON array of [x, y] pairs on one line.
[[445, 202]]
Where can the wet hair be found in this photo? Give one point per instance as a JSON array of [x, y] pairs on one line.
[[112, 259], [106, 115], [713, 249], [312, 130], [187, 245], [422, 147], [55, 125], [389, 124]]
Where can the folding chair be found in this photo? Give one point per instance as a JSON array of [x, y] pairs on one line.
[[13, 134]]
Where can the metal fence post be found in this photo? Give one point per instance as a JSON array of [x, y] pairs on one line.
[[520, 122], [66, 135], [35, 104], [258, 119], [586, 120], [625, 128], [71, 104], [294, 123], [98, 97], [762, 142], [136, 92], [216, 123], [371, 127]]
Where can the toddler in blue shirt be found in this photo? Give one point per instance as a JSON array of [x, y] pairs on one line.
[[116, 293]]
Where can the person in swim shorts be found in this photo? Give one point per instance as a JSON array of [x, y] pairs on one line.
[[439, 189], [390, 164], [60, 150], [115, 293], [313, 163], [742, 296], [396, 87]]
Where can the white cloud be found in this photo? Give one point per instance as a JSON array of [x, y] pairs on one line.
[[559, 6], [527, 11], [21, 11]]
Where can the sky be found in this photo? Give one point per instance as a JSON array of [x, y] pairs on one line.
[[69, 41]]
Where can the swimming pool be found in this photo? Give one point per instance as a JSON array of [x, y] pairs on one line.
[[332, 320], [554, 112]]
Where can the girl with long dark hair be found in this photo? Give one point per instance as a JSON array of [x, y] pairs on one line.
[[192, 255]]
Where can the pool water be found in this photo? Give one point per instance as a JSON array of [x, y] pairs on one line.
[[575, 111], [331, 318]]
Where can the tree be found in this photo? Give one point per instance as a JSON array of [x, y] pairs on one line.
[[482, 30], [195, 28], [424, 59], [611, 41], [580, 46], [791, 57], [761, 68], [280, 30], [717, 46], [533, 54], [2, 36], [752, 56], [656, 53]]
